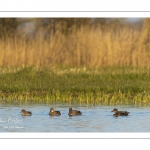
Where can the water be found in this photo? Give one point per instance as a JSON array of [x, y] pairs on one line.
[[93, 119]]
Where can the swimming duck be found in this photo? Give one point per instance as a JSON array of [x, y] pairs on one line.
[[26, 113], [54, 113], [74, 112], [119, 113]]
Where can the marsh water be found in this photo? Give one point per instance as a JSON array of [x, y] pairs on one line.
[[93, 119]]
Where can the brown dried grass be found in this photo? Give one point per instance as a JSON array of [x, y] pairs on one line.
[[120, 46]]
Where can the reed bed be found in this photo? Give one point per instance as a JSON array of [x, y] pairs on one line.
[[86, 46], [91, 65]]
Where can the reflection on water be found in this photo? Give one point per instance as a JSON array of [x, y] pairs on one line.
[[93, 119]]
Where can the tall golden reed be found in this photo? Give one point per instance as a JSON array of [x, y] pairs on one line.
[[87, 46]]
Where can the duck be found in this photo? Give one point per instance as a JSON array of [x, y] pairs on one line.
[[26, 113], [74, 112], [54, 113], [119, 113]]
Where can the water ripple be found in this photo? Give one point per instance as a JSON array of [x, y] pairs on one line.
[[95, 119]]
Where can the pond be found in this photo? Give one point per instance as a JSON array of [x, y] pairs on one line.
[[93, 119]]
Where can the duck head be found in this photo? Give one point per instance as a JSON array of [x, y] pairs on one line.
[[52, 110], [115, 110]]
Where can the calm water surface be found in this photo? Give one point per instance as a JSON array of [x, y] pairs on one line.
[[93, 119]]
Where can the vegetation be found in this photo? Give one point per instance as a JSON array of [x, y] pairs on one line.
[[106, 86], [71, 60], [88, 46]]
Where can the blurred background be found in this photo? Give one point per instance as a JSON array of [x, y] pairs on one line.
[[93, 42]]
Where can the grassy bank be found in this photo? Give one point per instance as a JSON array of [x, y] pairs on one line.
[[107, 86]]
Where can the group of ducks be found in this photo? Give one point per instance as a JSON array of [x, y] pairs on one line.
[[74, 112], [53, 112]]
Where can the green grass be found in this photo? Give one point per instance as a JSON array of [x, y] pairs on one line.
[[92, 86]]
